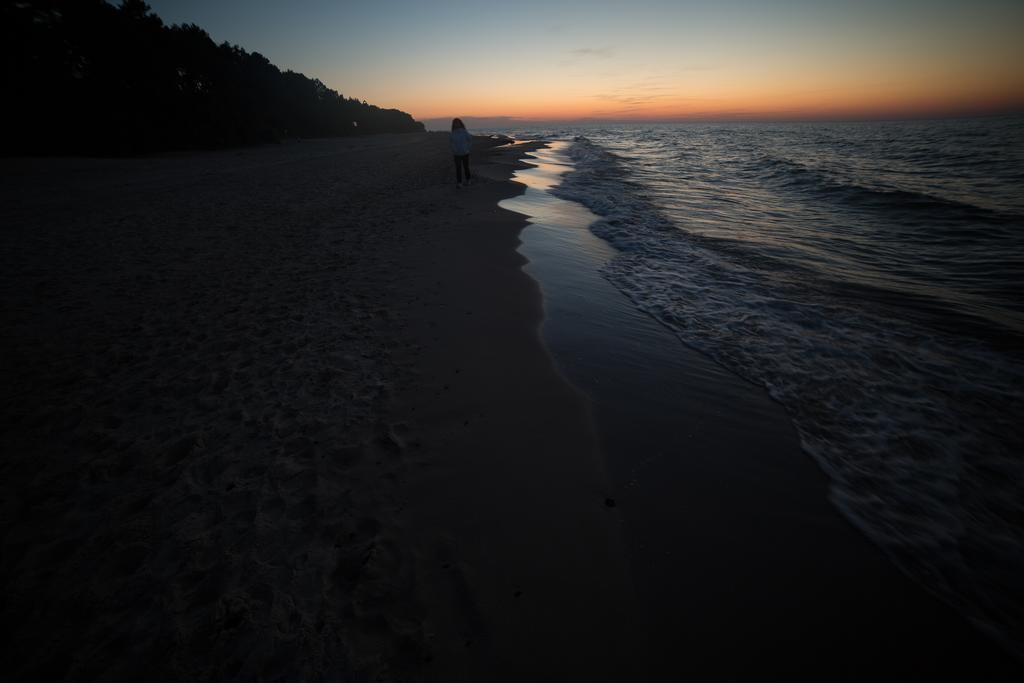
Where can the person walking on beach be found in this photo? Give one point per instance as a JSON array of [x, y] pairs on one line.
[[461, 141]]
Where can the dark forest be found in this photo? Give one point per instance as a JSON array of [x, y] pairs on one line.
[[86, 77]]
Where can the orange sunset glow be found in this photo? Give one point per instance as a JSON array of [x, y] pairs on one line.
[[647, 60]]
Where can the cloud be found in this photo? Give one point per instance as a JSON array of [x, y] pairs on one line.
[[623, 98], [644, 92], [600, 52]]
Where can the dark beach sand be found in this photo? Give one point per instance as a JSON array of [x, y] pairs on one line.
[[285, 413], [198, 357]]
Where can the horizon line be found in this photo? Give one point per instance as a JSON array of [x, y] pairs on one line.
[[739, 118]]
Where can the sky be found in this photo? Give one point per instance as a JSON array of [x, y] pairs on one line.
[[640, 60]]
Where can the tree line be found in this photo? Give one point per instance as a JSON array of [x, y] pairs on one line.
[[86, 77]]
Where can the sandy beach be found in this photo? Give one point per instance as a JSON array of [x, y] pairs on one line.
[[287, 413], [200, 353]]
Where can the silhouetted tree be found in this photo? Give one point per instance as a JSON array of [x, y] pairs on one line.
[[83, 76]]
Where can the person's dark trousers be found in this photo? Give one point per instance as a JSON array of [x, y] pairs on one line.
[[462, 162]]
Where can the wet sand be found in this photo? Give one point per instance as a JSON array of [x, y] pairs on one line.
[[520, 563]]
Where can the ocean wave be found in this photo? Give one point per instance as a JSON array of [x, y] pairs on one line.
[[787, 173], [917, 428]]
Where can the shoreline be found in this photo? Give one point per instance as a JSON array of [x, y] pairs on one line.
[[521, 561]]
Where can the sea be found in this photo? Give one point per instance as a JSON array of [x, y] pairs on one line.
[[870, 277]]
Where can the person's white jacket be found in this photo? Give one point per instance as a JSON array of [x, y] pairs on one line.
[[461, 141]]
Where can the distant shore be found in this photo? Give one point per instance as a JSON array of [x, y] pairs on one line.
[[286, 411]]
